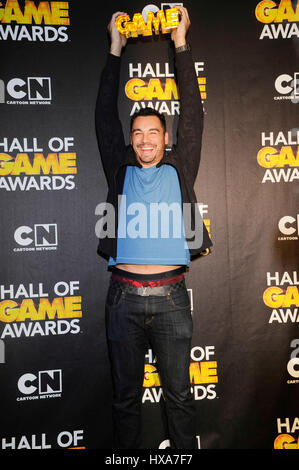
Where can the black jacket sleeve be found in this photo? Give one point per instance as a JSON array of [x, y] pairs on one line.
[[108, 126], [190, 126]]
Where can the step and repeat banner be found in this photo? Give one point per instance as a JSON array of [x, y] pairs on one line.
[[56, 390]]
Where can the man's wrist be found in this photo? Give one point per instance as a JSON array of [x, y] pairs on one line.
[[179, 42], [115, 50]]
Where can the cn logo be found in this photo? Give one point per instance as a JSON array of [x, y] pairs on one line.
[[40, 235], [293, 364], [288, 225], [47, 381], [286, 84], [32, 88]]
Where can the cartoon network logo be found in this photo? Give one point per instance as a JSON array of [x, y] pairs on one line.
[[31, 90], [289, 227], [36, 238], [287, 87], [293, 363], [43, 384]]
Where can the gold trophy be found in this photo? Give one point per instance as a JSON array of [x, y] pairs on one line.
[[165, 21]]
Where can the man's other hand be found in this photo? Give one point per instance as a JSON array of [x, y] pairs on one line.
[[178, 35], [118, 40]]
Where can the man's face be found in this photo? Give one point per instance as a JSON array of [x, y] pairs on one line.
[[148, 140]]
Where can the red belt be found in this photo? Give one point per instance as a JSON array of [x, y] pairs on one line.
[[157, 283]]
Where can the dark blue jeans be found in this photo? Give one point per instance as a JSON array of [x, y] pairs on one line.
[[133, 322]]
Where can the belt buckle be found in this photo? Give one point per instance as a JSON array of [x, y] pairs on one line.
[[147, 290], [143, 290]]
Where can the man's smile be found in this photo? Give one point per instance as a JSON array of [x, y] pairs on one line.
[[145, 148]]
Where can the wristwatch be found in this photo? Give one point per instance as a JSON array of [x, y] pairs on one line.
[[186, 47]]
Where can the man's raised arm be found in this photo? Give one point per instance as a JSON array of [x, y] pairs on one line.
[[108, 125], [190, 126]]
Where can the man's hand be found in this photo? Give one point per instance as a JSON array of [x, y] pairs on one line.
[[178, 35], [118, 40]]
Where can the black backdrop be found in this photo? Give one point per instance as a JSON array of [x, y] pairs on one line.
[[55, 375]]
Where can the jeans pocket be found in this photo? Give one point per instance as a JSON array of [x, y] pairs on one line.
[[179, 298], [114, 296]]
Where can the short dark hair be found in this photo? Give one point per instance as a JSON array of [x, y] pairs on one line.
[[148, 112]]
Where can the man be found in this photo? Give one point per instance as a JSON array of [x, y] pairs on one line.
[[147, 301]]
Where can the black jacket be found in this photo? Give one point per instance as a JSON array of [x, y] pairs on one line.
[[184, 156]]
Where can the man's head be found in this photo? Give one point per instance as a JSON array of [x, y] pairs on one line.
[[148, 136]]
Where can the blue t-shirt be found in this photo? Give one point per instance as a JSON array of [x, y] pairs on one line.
[[150, 227]]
